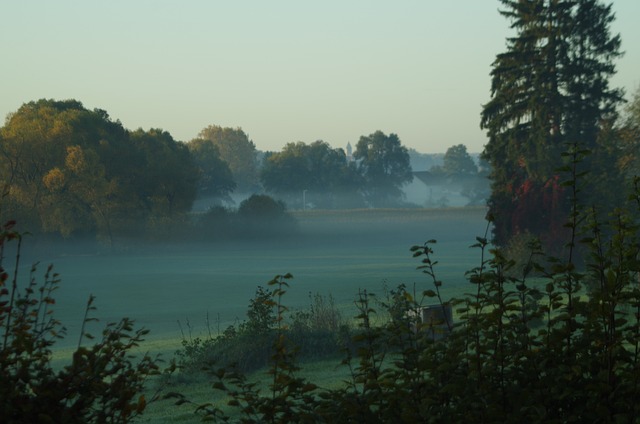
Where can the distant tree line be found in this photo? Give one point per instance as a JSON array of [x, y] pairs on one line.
[[73, 172], [460, 172], [374, 176]]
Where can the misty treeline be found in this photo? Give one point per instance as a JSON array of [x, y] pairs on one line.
[[75, 172]]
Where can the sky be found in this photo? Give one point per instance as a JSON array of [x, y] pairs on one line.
[[282, 70]]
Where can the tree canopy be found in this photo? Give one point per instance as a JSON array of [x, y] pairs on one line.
[[72, 171], [216, 179], [550, 89], [166, 174], [385, 166], [238, 151], [330, 180], [457, 161], [629, 160]]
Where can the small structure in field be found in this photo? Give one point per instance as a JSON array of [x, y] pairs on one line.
[[436, 320]]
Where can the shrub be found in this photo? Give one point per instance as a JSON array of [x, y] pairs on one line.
[[217, 223], [258, 217], [101, 384], [316, 332], [319, 331], [261, 215]]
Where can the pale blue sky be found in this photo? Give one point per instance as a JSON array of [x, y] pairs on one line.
[[284, 71]]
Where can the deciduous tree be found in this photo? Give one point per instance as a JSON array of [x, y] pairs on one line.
[[629, 135], [166, 175], [457, 161], [72, 171], [384, 163], [46, 148], [316, 168], [238, 151], [215, 179]]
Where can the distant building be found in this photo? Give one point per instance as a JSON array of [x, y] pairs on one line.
[[349, 152], [436, 320], [437, 190]]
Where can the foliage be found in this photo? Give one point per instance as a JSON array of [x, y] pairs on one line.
[[69, 171], [325, 173], [59, 166], [317, 332], [385, 166], [165, 174], [423, 161], [629, 160], [238, 151], [457, 161], [548, 89], [102, 384], [262, 215], [218, 223], [460, 170], [215, 179], [258, 217]]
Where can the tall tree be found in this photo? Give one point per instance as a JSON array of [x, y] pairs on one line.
[[166, 174], [215, 179], [43, 146], [385, 165], [238, 151], [325, 173], [73, 171], [457, 161], [629, 134], [549, 89]]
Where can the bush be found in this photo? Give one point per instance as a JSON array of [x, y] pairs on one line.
[[217, 223], [263, 216], [101, 384], [317, 332], [258, 217]]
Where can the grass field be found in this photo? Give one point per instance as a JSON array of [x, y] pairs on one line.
[[190, 290]]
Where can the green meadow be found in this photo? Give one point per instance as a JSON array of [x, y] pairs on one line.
[[172, 286], [196, 290]]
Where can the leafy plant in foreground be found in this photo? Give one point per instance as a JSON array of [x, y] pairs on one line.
[[102, 384]]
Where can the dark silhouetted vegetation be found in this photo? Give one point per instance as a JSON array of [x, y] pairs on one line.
[[314, 173], [258, 217], [549, 88], [238, 152], [102, 381], [316, 332], [385, 166]]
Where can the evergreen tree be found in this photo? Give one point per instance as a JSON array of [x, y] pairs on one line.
[[549, 90]]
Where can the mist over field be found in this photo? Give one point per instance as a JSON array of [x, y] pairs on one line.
[[174, 288]]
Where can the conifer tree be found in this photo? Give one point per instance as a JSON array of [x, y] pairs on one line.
[[549, 89]]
